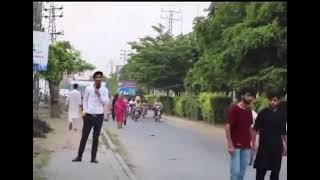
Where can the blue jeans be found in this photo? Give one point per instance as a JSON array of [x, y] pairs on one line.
[[239, 162]]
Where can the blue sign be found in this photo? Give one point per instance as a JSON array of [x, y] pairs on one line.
[[127, 90]]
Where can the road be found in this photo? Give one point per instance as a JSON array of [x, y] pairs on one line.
[[177, 150]]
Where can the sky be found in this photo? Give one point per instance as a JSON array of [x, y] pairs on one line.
[[101, 29]]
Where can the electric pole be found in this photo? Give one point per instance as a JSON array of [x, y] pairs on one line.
[[52, 20], [170, 14], [51, 16], [124, 55]]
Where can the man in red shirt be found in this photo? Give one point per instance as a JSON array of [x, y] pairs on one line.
[[238, 133]]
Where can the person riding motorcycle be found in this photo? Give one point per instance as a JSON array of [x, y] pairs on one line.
[[138, 104], [131, 106], [157, 103]]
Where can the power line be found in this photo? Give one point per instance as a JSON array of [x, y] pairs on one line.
[[170, 14], [52, 20]]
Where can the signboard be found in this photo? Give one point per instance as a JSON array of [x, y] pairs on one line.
[[127, 84], [40, 50], [127, 87], [131, 91]]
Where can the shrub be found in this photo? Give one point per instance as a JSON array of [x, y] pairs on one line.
[[220, 104], [206, 107], [191, 108], [168, 104]]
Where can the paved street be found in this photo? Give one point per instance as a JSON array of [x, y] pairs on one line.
[[177, 150]]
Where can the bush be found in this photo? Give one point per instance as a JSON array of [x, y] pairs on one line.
[[220, 104], [40, 128], [191, 108], [260, 103], [168, 104], [178, 110], [206, 107], [151, 99]]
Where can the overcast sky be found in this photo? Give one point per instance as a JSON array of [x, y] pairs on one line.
[[100, 29]]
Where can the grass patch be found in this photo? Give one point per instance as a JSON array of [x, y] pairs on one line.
[[40, 159], [120, 148]]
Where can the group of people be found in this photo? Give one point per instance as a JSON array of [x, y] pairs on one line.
[[96, 107], [242, 127], [241, 132]]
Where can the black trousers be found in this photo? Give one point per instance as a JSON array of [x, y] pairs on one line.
[[273, 176], [90, 121]]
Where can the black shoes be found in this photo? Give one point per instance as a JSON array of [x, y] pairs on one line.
[[94, 161], [77, 159]]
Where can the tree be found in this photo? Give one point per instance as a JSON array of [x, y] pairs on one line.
[[243, 43], [161, 62], [63, 60], [113, 84]]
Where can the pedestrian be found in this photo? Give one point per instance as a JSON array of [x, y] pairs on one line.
[[271, 126], [115, 97], [74, 106], [120, 110], [95, 97], [125, 99], [238, 133]]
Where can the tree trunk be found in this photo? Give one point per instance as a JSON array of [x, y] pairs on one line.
[[168, 92], [54, 100]]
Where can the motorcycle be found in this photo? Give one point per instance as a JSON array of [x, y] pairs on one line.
[[158, 114], [136, 114]]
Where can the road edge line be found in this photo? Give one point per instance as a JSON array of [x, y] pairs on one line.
[[122, 163]]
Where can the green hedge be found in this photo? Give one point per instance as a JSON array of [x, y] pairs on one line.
[[206, 107], [178, 105], [191, 108], [168, 104], [220, 104]]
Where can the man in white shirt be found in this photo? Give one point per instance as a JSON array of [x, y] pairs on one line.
[[74, 104], [95, 97]]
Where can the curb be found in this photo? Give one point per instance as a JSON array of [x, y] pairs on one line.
[[123, 165]]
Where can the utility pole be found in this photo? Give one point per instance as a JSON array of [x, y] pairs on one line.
[[51, 16], [124, 54], [170, 14], [52, 20]]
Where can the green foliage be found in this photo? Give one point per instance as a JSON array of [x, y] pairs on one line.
[[161, 62], [64, 60], [220, 104], [113, 84], [179, 101], [242, 43], [191, 108], [168, 104], [205, 105], [260, 103]]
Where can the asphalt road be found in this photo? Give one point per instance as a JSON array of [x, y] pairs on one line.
[[178, 150]]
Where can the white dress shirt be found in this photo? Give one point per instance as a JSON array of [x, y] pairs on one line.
[[92, 104]]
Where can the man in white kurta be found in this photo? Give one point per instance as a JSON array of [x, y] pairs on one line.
[[74, 104]]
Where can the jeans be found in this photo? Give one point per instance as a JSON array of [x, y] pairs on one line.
[[239, 162]]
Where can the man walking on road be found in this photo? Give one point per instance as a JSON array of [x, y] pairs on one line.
[[74, 105], [238, 133], [95, 97], [271, 125]]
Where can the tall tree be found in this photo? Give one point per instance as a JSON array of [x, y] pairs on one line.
[[243, 43], [63, 60]]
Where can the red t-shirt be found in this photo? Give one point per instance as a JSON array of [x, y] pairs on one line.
[[240, 121]]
